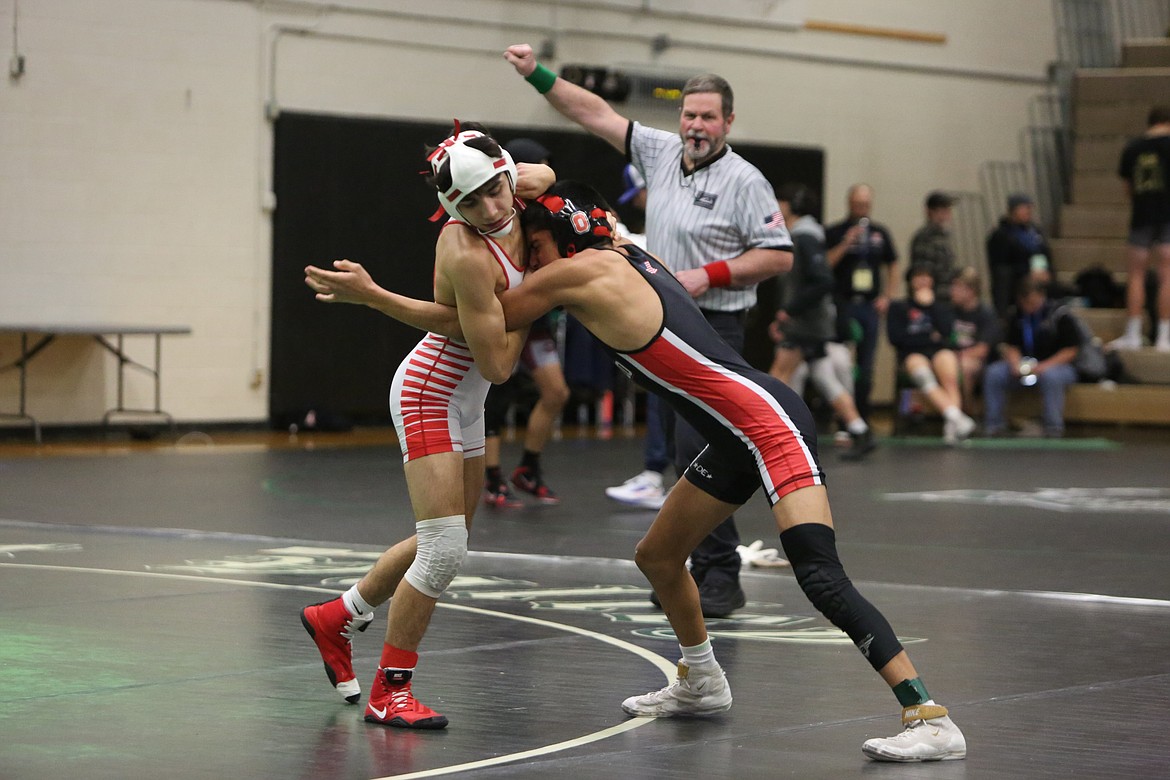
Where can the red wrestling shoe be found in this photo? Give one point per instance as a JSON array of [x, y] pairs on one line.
[[500, 497], [392, 704], [332, 629], [525, 479]]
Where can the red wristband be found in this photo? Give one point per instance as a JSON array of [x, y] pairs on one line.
[[718, 273]]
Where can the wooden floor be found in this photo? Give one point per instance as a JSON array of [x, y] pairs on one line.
[[149, 595]]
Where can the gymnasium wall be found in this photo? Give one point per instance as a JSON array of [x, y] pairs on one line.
[[136, 150]]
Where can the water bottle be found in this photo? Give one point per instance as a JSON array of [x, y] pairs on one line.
[[1027, 370], [863, 241]]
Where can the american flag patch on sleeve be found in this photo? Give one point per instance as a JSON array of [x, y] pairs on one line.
[[774, 221]]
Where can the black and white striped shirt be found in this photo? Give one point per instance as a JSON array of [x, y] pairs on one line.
[[717, 212]]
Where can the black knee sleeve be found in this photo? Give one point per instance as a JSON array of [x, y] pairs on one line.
[[812, 550], [495, 408]]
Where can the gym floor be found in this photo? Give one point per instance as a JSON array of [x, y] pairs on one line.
[[149, 598]]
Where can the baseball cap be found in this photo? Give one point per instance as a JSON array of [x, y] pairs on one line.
[[939, 200], [1019, 199], [633, 183], [526, 150]]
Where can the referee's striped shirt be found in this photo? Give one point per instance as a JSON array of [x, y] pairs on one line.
[[717, 212]]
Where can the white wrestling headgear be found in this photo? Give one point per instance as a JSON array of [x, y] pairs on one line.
[[470, 169]]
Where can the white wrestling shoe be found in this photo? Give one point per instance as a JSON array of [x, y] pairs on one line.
[[642, 490], [693, 692], [958, 430], [929, 736]]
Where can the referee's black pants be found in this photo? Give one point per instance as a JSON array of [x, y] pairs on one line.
[[716, 557]]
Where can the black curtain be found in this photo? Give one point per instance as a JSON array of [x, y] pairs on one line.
[[351, 188]]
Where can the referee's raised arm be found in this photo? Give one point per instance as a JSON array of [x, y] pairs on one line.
[[578, 104]]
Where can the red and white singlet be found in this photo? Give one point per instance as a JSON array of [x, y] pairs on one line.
[[437, 396]]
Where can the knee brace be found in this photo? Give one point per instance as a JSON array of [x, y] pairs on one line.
[[812, 550], [799, 378], [495, 409], [924, 379], [442, 546], [841, 359], [825, 377]]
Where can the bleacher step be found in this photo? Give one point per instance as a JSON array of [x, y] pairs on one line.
[[1146, 53], [1099, 154], [1120, 118], [1095, 403], [1094, 221], [1106, 324], [1147, 365], [1099, 187], [1122, 403], [1074, 255], [1148, 86]]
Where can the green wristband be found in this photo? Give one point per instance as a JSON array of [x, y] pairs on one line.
[[542, 78]]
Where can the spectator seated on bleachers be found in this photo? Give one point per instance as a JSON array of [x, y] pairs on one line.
[[921, 330]]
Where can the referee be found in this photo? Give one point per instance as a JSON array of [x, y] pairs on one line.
[[712, 217]]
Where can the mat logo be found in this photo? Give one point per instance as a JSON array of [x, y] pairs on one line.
[[1119, 499], [10, 550], [628, 605], [337, 565]]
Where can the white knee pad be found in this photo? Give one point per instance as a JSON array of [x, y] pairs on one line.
[[841, 359], [924, 378], [799, 378], [442, 546], [825, 378]]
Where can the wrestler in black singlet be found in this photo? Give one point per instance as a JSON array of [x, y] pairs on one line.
[[758, 430]]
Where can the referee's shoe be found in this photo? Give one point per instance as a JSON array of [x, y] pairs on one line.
[[720, 596], [717, 600]]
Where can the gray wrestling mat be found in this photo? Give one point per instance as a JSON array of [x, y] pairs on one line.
[[149, 599]]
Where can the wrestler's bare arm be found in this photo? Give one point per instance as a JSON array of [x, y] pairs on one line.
[[533, 179], [576, 103], [464, 266], [561, 284], [598, 287], [349, 282]]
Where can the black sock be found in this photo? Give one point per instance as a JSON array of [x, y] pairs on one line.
[[531, 460], [492, 476]]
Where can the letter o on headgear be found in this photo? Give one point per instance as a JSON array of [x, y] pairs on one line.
[[576, 227]]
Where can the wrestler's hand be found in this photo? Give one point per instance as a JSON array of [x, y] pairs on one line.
[[776, 326], [695, 280], [522, 57], [774, 332], [349, 283]]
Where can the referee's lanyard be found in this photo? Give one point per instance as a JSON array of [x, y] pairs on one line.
[[1028, 326]]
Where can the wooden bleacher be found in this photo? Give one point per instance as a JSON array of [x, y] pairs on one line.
[[1110, 107]]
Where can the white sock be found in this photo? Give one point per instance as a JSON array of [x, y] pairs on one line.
[[857, 427], [700, 656], [1163, 331], [1133, 328], [355, 603], [924, 378], [953, 413]]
